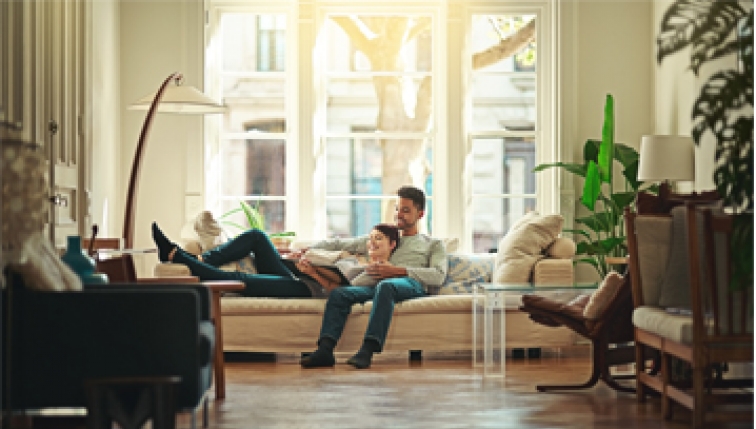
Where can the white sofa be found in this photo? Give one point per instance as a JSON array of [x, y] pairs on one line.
[[436, 323]]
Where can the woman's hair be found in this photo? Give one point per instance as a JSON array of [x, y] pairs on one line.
[[390, 231]]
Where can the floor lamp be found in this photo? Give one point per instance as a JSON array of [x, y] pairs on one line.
[[171, 97]]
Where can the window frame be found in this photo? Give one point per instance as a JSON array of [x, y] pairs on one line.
[[305, 200]]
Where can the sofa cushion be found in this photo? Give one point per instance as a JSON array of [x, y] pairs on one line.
[[523, 246], [465, 270], [562, 248], [553, 272], [675, 327]]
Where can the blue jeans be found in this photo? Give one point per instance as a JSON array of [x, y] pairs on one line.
[[273, 280], [384, 295]]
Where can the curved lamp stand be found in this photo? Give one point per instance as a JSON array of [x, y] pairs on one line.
[[182, 99]]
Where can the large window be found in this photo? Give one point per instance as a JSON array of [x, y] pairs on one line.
[[381, 100], [503, 131]]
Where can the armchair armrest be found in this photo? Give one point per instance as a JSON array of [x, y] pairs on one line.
[[203, 293]]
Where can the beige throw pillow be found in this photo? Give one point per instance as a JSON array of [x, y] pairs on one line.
[[603, 296], [523, 246]]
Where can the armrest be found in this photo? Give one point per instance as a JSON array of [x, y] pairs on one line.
[[203, 293]]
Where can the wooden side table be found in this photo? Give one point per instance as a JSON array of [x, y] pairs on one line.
[[217, 288]]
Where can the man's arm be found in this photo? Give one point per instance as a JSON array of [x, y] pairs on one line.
[[438, 264], [433, 275]]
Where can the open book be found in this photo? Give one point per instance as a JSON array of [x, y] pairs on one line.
[[350, 267]]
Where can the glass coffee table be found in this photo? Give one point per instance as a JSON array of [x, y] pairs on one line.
[[489, 316]]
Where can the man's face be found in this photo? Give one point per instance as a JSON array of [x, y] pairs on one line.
[[407, 214]]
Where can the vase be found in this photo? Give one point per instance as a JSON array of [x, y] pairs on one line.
[[79, 262]]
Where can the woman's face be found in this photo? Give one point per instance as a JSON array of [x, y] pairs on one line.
[[378, 244]]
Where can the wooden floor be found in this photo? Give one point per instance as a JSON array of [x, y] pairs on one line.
[[437, 394]]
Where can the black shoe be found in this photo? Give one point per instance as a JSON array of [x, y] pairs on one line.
[[164, 245], [361, 360], [320, 358]]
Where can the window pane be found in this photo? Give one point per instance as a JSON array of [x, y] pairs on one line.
[[253, 42], [492, 218], [253, 167], [503, 165], [503, 91], [252, 102], [413, 54]]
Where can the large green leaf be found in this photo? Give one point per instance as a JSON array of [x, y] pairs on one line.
[[599, 222], [576, 169], [606, 151], [623, 199], [702, 24], [591, 186]]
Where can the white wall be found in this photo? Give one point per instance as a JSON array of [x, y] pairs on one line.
[[158, 38], [105, 205], [613, 55]]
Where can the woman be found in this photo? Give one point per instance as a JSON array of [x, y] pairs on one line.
[[274, 279], [382, 241]]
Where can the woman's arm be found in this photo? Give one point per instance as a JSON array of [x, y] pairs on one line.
[[319, 274]]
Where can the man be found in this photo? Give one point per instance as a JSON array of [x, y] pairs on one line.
[[418, 263]]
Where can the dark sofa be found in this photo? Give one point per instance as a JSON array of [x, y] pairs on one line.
[[60, 339]]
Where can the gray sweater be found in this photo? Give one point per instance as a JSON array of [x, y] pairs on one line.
[[423, 257]]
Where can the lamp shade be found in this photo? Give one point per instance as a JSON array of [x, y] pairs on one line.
[[669, 158], [181, 99]]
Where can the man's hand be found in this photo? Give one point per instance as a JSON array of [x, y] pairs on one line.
[[384, 270]]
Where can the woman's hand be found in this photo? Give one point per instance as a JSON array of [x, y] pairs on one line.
[[384, 270], [306, 267]]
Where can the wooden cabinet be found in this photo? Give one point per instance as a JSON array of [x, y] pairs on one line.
[[43, 96]]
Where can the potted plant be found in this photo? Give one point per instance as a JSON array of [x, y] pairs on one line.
[[256, 220], [603, 236], [724, 107]]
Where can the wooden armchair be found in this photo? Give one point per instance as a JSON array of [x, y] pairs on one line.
[[718, 329]]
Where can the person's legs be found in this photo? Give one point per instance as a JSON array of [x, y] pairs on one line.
[[253, 241], [338, 307], [387, 292], [256, 285]]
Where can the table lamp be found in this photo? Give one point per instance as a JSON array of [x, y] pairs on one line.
[[171, 97], [666, 159]]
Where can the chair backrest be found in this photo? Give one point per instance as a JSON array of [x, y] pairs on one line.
[[722, 312], [648, 244]]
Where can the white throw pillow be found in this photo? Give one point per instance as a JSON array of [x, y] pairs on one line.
[[523, 246]]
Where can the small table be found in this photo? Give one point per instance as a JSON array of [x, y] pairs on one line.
[[490, 298], [217, 288]]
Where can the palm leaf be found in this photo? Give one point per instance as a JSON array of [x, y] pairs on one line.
[[254, 217], [724, 93], [606, 151], [576, 169], [591, 187], [702, 24]]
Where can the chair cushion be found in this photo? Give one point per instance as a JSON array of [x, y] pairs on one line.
[[600, 299], [656, 320], [523, 246]]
